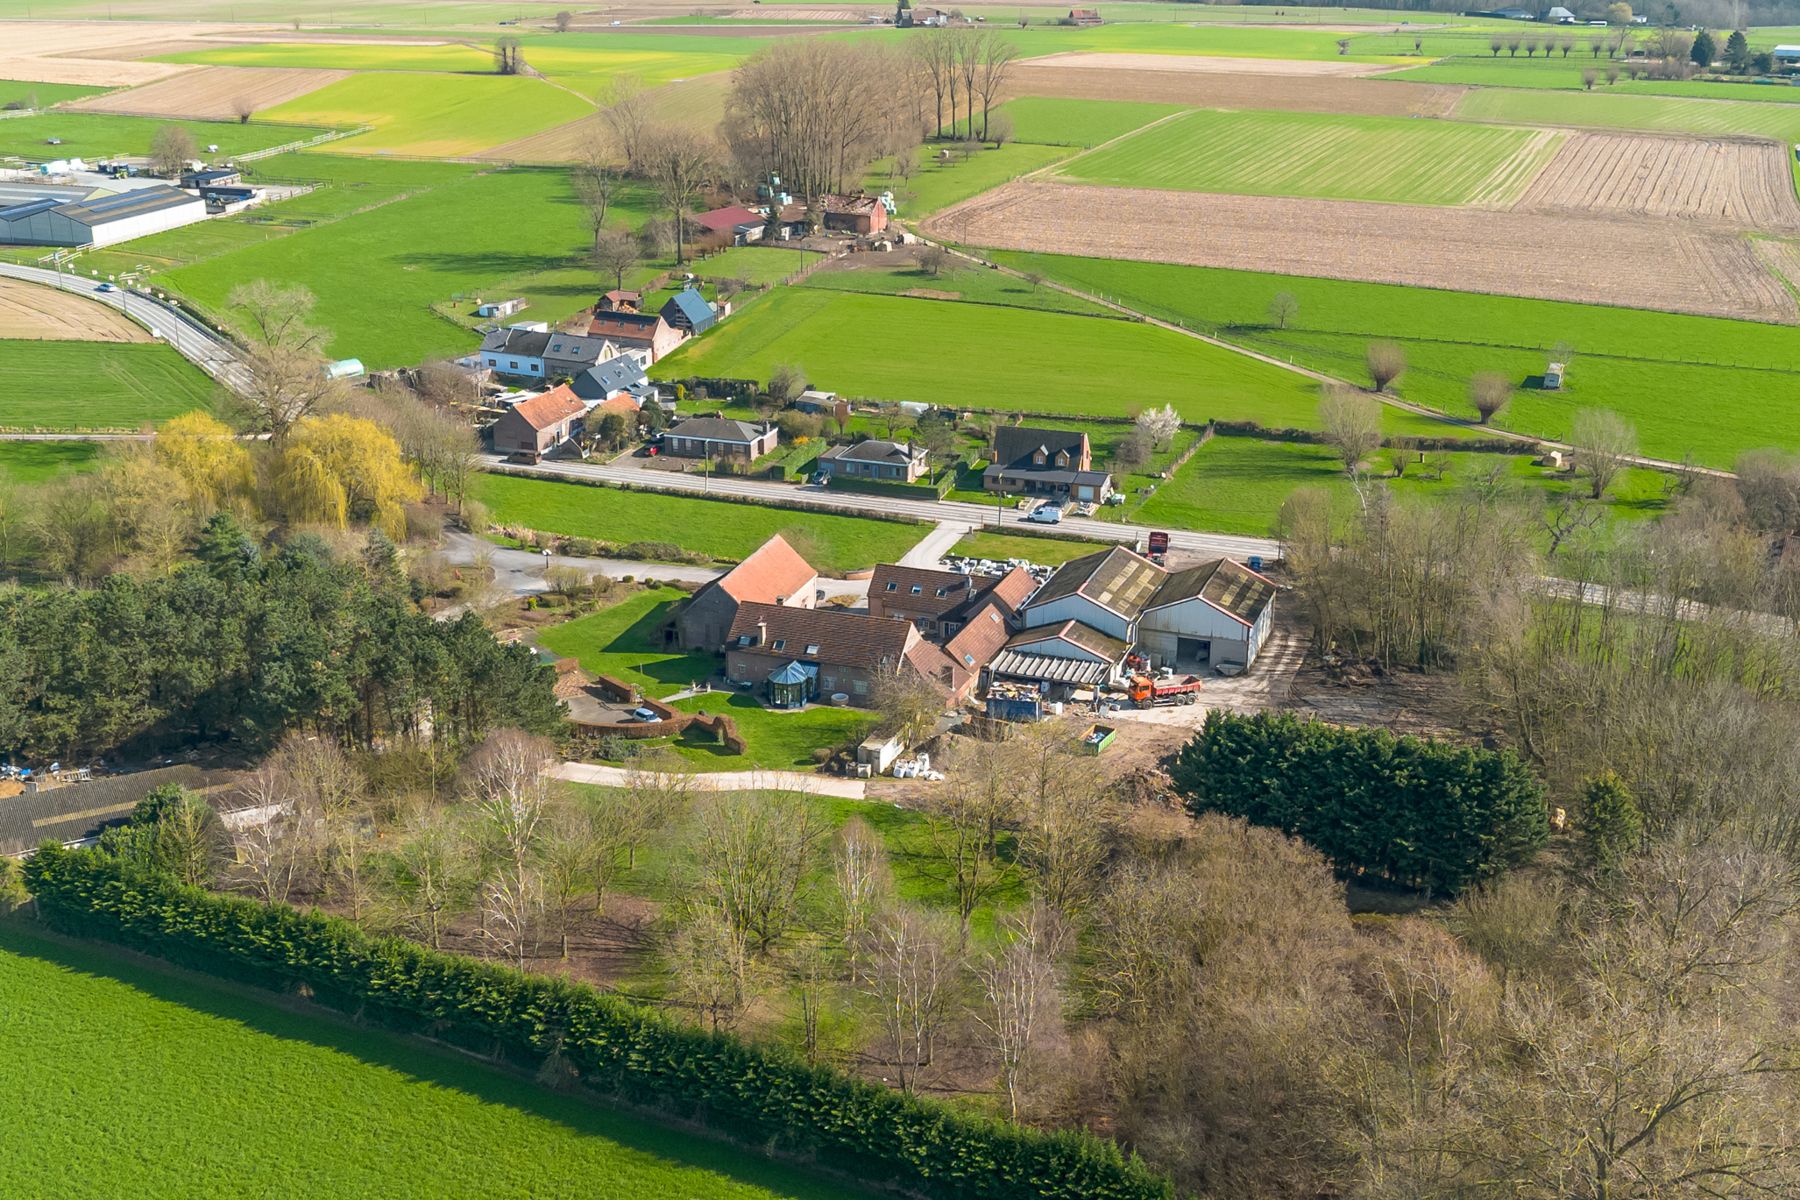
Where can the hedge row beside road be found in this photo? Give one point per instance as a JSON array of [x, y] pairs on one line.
[[1418, 813], [754, 1095]]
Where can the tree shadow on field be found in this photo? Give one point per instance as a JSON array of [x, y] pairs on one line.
[[295, 1020]]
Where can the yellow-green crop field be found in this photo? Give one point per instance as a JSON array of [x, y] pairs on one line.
[[441, 116]]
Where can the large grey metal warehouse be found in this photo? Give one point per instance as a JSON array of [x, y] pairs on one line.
[[100, 219]]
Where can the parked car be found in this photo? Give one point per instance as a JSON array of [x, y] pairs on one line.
[[1050, 514], [645, 714]]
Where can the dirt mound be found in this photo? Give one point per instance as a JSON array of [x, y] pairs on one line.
[[1636, 262]]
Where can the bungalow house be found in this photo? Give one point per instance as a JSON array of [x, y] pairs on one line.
[[621, 375], [534, 427], [941, 603], [720, 437], [1044, 462], [795, 655], [689, 311], [647, 332], [515, 352], [821, 404], [1084, 16], [873, 458], [733, 225], [856, 213], [569, 354], [773, 574]]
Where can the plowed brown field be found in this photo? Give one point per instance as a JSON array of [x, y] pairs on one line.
[[1297, 93], [100, 53], [31, 313], [1637, 262], [1741, 183], [213, 93]]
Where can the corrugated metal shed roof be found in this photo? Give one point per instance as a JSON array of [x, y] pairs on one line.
[[1016, 664]]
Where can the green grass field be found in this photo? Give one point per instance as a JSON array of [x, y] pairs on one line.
[[433, 232], [938, 184], [1557, 73], [958, 281], [1324, 155], [96, 385], [997, 358], [1238, 485], [439, 116], [101, 135], [1618, 110], [774, 740], [144, 1081], [27, 94], [754, 264], [624, 641], [34, 462], [1702, 384], [1045, 551], [343, 56], [1049, 121], [831, 542]]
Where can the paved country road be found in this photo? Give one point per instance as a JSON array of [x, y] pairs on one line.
[[936, 511], [209, 351]]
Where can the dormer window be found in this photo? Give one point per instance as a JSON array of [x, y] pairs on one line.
[[1062, 458], [1038, 457], [779, 644]]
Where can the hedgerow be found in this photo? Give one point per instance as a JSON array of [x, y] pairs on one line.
[[751, 1094], [1419, 813]]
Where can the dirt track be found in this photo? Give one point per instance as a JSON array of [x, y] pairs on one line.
[[32, 313], [1632, 261], [1199, 64], [213, 93], [1316, 93], [1739, 183]]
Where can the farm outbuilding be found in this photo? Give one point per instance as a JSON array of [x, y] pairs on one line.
[[1215, 614], [100, 219]]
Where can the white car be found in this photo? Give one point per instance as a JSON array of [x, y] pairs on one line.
[[1050, 514]]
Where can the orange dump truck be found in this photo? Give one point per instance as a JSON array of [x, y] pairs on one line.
[[1169, 689]]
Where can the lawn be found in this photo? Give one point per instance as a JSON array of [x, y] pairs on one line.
[[96, 385], [958, 281], [776, 740], [440, 239], [997, 358], [1324, 155], [441, 116], [1610, 109], [1061, 122], [1702, 384], [754, 264], [145, 1081], [42, 95], [831, 542], [625, 642], [1238, 485], [102, 135], [939, 183], [34, 462], [1045, 551]]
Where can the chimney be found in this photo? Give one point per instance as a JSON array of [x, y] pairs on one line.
[[762, 632]]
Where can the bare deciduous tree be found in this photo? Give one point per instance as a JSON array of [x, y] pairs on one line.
[[616, 254], [859, 869], [1604, 444], [751, 854], [1283, 308], [913, 964], [509, 784], [1386, 362], [1018, 982], [625, 108], [1352, 424], [172, 148], [1489, 392], [677, 161]]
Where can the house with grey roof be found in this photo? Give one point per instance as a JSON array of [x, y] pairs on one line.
[[1055, 463], [620, 375], [568, 354], [875, 458], [516, 352], [720, 437]]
